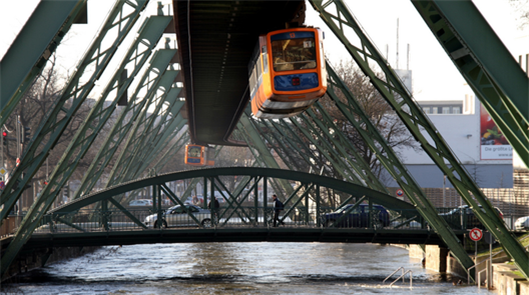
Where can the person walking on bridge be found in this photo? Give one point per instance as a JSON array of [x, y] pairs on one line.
[[214, 207], [278, 206]]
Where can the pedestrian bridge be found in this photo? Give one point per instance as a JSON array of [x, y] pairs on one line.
[[241, 218]]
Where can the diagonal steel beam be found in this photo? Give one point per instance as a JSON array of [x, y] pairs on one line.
[[486, 64], [78, 88], [118, 133], [392, 89], [136, 57], [26, 57]]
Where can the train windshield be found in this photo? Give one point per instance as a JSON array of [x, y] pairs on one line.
[[293, 54], [194, 152]]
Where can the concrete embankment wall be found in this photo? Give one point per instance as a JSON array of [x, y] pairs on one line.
[[504, 278]]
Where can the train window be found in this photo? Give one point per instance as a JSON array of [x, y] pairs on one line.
[[194, 152], [265, 60], [294, 54]]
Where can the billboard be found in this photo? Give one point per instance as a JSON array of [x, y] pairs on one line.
[[494, 145]]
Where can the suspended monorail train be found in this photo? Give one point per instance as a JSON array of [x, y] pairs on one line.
[[196, 155], [287, 72]]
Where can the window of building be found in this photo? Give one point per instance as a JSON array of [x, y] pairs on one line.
[[456, 110], [446, 110], [434, 110], [426, 110]]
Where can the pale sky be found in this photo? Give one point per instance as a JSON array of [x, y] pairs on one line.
[[434, 76]]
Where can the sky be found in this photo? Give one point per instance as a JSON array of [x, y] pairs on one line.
[[434, 75]]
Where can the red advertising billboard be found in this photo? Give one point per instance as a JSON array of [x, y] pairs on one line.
[[494, 145]]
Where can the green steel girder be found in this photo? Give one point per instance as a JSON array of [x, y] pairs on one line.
[[139, 52], [398, 97], [144, 153], [325, 148], [387, 157], [119, 132], [26, 57], [147, 139], [101, 113], [282, 150], [358, 191], [293, 140], [258, 162], [96, 58], [184, 137], [135, 140], [264, 152], [486, 64], [361, 167]]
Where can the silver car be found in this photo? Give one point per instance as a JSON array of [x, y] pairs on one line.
[[522, 223], [181, 216]]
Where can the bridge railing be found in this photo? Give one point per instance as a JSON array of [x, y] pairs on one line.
[[89, 220]]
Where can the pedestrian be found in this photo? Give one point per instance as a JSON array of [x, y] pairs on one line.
[[278, 206], [214, 207]]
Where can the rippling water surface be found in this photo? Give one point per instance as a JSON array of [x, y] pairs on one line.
[[236, 268]]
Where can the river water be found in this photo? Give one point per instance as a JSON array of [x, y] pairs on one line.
[[236, 268]]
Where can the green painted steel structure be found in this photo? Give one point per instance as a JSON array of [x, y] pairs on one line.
[[486, 64], [27, 56], [121, 18], [136, 57], [338, 18], [145, 134]]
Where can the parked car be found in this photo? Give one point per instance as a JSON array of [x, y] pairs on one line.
[[522, 223], [358, 217], [463, 217], [180, 216], [141, 202]]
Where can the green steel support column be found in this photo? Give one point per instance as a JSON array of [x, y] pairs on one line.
[[174, 149], [137, 138], [140, 51], [96, 59], [387, 157], [100, 113], [360, 166], [35, 43], [280, 147], [264, 152], [145, 155], [486, 64], [413, 117], [318, 203], [118, 134], [295, 144], [258, 160], [145, 136], [325, 149], [205, 193]]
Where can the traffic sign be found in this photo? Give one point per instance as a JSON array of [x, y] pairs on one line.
[[475, 234], [400, 193], [2, 171]]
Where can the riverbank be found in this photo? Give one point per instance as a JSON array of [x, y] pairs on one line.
[[503, 274]]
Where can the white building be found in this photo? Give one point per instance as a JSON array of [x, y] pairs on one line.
[[459, 123]]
